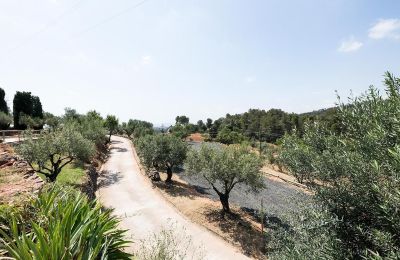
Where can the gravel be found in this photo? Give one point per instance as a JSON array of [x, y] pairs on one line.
[[279, 199]]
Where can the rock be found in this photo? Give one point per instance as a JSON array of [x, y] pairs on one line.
[[154, 176]]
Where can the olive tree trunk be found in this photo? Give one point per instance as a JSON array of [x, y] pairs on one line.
[[169, 175], [224, 198]]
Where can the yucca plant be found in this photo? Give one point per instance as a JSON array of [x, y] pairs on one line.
[[67, 226]]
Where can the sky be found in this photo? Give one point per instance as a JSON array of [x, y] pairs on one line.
[[156, 59]]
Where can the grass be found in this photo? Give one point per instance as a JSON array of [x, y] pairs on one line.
[[72, 174]]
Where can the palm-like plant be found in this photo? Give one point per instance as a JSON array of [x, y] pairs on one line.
[[66, 226]]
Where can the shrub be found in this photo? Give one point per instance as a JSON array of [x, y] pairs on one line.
[[65, 226], [5, 120], [227, 136], [357, 172]]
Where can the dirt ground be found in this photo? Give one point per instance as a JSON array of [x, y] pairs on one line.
[[196, 137], [240, 229], [17, 179]]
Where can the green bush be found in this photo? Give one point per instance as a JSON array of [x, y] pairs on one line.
[[63, 225], [5, 120], [356, 172], [227, 136]]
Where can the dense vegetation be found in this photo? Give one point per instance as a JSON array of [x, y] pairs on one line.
[[5, 118], [60, 224], [355, 177], [255, 125]]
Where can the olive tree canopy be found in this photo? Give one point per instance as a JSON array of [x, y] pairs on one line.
[[111, 124], [52, 151], [162, 152], [224, 167]]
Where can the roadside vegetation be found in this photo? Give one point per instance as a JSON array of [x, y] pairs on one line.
[[60, 223], [355, 178], [62, 220], [171, 243]]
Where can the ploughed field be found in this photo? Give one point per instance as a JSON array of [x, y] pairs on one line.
[[279, 199]]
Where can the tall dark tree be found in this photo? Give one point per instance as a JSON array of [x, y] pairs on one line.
[[37, 110], [201, 126], [209, 123], [22, 103], [3, 103]]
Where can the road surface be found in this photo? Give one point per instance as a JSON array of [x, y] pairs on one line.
[[143, 210]]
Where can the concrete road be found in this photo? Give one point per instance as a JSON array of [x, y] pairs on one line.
[[144, 211]]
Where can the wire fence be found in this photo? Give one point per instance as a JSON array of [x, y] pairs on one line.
[[17, 135]]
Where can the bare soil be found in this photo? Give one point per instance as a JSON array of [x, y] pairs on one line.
[[196, 137], [17, 179], [239, 229]]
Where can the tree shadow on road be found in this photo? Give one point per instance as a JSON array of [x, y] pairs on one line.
[[118, 149], [108, 178], [177, 189], [180, 189]]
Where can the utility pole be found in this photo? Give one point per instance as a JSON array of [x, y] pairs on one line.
[[259, 138]]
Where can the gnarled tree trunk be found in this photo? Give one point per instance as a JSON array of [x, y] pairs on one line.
[[224, 198], [169, 175]]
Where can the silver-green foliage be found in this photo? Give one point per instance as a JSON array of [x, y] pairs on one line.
[[111, 123], [5, 120], [224, 167], [161, 152], [357, 171], [49, 153], [64, 226]]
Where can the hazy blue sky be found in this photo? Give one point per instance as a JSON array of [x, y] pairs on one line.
[[160, 58]]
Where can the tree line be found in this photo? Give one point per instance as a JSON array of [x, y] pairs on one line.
[[27, 111], [254, 125]]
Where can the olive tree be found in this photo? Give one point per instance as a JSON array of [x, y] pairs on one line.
[[162, 152], [356, 172], [224, 167], [111, 124], [52, 151]]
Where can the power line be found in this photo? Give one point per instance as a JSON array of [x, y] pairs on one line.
[[50, 24], [90, 28], [110, 18]]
